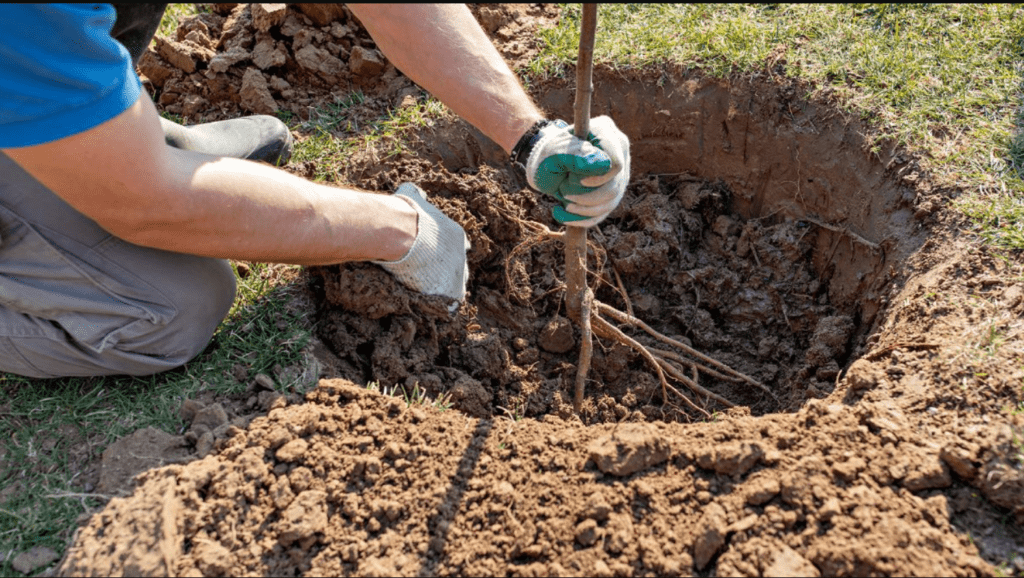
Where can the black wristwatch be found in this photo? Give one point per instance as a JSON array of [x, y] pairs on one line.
[[521, 152]]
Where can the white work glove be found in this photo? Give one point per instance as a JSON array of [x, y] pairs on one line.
[[436, 263], [587, 178]]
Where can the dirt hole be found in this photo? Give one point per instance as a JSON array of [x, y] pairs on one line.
[[756, 228]]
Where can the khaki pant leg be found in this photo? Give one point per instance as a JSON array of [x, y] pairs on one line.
[[77, 301]]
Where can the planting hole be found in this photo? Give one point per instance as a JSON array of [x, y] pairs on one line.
[[757, 227]]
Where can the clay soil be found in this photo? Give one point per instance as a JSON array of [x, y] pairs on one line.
[[757, 228]]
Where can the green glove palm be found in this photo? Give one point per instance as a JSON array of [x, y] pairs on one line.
[[588, 178]]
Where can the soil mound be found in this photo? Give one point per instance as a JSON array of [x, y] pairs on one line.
[[355, 483], [291, 58]]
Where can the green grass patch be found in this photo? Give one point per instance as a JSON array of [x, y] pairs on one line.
[[946, 81], [169, 22], [335, 131]]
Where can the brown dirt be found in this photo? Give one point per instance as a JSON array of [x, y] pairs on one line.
[[760, 228]]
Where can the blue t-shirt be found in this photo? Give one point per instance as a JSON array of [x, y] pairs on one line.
[[61, 72]]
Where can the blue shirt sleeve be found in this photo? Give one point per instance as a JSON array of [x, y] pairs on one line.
[[62, 72]]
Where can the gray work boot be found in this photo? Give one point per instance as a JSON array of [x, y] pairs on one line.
[[256, 138]]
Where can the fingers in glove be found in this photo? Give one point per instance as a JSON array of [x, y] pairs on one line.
[[592, 210], [576, 193], [572, 220], [436, 263]]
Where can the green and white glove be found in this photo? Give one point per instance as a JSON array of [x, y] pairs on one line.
[[588, 178], [436, 263]]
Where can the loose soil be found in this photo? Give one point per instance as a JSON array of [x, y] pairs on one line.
[[759, 227]]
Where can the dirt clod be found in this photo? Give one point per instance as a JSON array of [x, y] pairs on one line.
[[145, 449], [33, 559], [255, 93], [629, 449], [365, 62], [557, 336]]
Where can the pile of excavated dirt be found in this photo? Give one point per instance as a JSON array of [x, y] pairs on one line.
[[293, 58], [756, 228]]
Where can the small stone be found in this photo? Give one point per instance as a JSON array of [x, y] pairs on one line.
[[278, 437], [280, 85], [788, 562], [204, 445], [222, 61], [264, 16], [264, 381], [182, 55], [267, 54], [1013, 295], [762, 490], [744, 524], [629, 449], [211, 416], [255, 94], [597, 508], [959, 462], [586, 532], [318, 60], [734, 459], [35, 558], [504, 492], [711, 531]]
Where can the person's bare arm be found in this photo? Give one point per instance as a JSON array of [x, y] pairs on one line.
[[442, 48], [122, 175]]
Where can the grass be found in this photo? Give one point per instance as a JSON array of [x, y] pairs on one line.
[[169, 21], [417, 396], [945, 81], [335, 131]]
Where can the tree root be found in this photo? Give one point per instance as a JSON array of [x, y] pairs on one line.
[[730, 374], [665, 362]]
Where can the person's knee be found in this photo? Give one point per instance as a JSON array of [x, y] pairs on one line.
[[202, 303], [200, 296]]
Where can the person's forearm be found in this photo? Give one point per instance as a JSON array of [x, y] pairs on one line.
[[442, 48], [123, 176], [244, 210]]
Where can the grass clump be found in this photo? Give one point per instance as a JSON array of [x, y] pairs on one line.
[[333, 133], [417, 396]]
